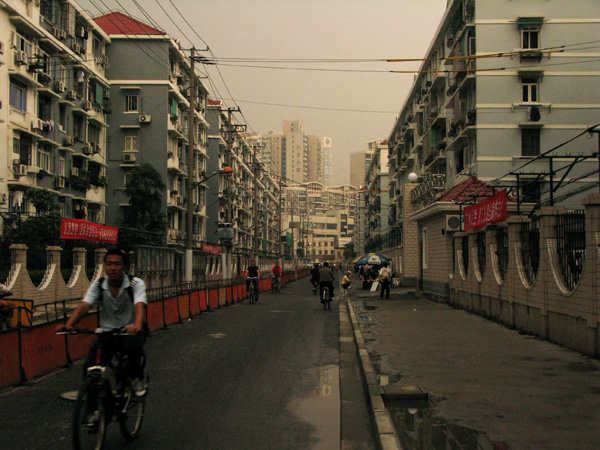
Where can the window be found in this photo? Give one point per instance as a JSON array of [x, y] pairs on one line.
[[530, 142], [131, 142], [530, 37], [530, 90], [62, 167], [18, 95], [43, 158], [131, 103]]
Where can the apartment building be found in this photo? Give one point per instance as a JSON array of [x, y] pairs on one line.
[[57, 99], [376, 193], [503, 97], [315, 162], [150, 94], [359, 164], [319, 217]]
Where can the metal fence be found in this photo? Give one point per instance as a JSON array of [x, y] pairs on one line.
[[530, 248], [502, 250], [570, 236], [481, 253]]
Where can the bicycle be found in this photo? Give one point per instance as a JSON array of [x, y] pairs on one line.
[[275, 284], [252, 294], [315, 285], [106, 394], [325, 298]]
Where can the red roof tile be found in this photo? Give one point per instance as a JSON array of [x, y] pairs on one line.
[[119, 23], [464, 192]]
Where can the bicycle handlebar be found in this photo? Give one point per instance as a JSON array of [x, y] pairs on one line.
[[98, 331]]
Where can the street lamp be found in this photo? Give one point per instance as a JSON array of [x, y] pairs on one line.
[[189, 242]]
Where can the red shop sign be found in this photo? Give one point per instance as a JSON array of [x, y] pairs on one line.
[[90, 231], [492, 210], [211, 249]]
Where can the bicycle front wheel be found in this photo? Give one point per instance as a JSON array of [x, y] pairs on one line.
[[131, 415], [90, 416]]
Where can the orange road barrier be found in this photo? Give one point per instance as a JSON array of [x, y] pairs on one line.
[[171, 310], [213, 298], [184, 306], [43, 350], [9, 358]]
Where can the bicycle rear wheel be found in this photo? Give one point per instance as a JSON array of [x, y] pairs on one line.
[[326, 299], [90, 416], [251, 295], [131, 415]]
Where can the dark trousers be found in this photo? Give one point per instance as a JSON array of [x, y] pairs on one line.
[[329, 284], [385, 287], [130, 345], [255, 282]]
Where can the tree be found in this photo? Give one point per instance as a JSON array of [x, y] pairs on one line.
[[349, 250], [42, 200], [143, 219]]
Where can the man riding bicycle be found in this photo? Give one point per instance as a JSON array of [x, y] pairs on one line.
[[252, 277], [326, 279], [124, 303], [276, 271], [314, 276]]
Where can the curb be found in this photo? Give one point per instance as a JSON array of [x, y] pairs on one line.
[[384, 427]]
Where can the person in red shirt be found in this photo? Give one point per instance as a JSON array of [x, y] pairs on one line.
[[276, 271]]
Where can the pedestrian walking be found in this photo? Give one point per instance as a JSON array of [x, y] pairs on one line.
[[384, 277]]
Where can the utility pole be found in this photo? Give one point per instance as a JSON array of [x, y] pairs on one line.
[[189, 243], [255, 172], [229, 137]]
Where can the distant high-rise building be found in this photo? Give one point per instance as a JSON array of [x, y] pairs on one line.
[[294, 152], [360, 162], [326, 160], [314, 159]]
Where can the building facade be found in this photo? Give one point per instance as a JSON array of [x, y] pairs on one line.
[[505, 96], [53, 125]]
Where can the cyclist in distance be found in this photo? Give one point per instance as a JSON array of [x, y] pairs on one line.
[[276, 271], [326, 279], [253, 272], [314, 276], [124, 303]]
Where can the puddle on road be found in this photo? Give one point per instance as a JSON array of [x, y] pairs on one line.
[[321, 408], [418, 427]]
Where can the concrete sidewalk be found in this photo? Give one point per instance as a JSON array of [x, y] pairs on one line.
[[516, 390]]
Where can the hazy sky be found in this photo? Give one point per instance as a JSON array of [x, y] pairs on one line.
[[352, 102]]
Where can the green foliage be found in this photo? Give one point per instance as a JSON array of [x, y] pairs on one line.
[[349, 250], [42, 200], [143, 220]]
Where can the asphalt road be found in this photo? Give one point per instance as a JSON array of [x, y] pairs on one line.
[[242, 377]]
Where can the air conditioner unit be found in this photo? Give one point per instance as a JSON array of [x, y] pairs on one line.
[[129, 157], [69, 140], [59, 182], [453, 223], [71, 94], [59, 86], [20, 57], [87, 105], [21, 170], [87, 148], [95, 147], [37, 124], [145, 118], [77, 48], [74, 171], [179, 201], [107, 94]]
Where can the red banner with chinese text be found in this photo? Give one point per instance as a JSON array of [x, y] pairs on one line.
[[492, 210], [90, 231], [211, 249]]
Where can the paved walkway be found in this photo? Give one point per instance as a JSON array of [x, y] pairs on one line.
[[513, 390]]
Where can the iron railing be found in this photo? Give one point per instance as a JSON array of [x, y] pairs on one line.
[[481, 251], [570, 236], [530, 248], [502, 250]]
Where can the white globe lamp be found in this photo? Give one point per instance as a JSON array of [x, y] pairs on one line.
[[413, 177]]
